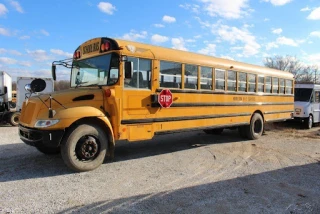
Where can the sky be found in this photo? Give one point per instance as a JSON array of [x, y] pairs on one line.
[[35, 33]]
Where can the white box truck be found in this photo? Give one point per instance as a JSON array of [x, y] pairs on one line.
[[6, 113], [307, 103], [22, 93]]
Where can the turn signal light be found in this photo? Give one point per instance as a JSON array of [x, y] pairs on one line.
[[108, 93], [76, 55], [105, 46]]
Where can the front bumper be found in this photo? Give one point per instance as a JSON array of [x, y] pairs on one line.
[[33, 137]]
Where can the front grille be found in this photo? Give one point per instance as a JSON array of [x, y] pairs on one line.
[[34, 136]]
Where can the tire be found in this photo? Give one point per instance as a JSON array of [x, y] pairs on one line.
[[242, 131], [256, 127], [47, 150], [84, 148], [214, 131], [308, 123], [13, 118]]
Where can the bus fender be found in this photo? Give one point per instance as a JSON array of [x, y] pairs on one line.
[[84, 114]]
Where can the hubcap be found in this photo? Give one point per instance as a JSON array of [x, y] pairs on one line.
[[257, 127], [87, 148], [310, 122]]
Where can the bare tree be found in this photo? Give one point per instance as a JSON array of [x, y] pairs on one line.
[[61, 85], [303, 73]]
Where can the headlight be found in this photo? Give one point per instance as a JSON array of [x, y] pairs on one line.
[[45, 123]]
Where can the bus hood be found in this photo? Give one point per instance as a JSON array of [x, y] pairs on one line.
[[37, 107]]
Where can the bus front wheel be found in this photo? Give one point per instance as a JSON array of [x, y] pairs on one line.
[[84, 148], [255, 129]]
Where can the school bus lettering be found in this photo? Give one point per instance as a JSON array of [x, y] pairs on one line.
[[91, 48], [119, 94]]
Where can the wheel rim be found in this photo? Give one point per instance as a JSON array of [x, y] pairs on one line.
[[257, 127], [310, 121], [16, 119], [87, 148]]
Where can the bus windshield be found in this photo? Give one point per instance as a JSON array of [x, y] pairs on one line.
[[302, 94], [100, 70]]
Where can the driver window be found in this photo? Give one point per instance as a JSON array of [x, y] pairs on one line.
[[141, 77]]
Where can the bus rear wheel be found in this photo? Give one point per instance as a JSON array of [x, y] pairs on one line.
[[84, 148], [255, 129]]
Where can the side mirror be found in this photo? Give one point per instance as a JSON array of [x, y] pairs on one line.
[[128, 69], [5, 90], [53, 71], [38, 85], [27, 87]]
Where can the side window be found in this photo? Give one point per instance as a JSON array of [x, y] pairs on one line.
[[242, 83], [232, 81], [275, 85], [141, 77], [170, 74], [191, 76], [260, 84], [317, 96], [252, 82], [288, 86], [281, 86], [268, 85], [220, 79], [206, 78]]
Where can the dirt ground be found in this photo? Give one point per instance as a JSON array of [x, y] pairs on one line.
[[182, 173]]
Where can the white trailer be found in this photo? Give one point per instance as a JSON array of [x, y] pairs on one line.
[[22, 94], [307, 103]]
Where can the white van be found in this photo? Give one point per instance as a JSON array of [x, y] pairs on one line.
[[307, 103]]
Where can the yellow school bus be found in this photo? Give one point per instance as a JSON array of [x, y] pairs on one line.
[[124, 90]]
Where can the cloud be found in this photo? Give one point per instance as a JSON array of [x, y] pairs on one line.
[[106, 7], [210, 49], [305, 9], [39, 55], [278, 2], [44, 32], [3, 10], [61, 53], [315, 14], [25, 63], [286, 41], [315, 33], [16, 6], [24, 37], [192, 7], [8, 61], [159, 25], [168, 19], [234, 35], [178, 43], [266, 20], [156, 38], [232, 9], [277, 31], [4, 32], [271, 45], [133, 36]]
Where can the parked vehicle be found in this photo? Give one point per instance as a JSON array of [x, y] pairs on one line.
[[307, 103], [7, 114], [23, 94]]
